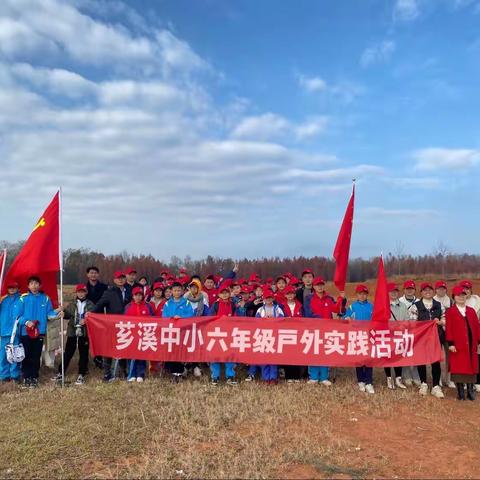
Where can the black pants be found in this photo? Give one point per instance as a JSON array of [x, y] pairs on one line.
[[70, 349], [292, 372], [478, 376], [33, 352], [175, 367], [121, 369], [397, 370], [436, 373]]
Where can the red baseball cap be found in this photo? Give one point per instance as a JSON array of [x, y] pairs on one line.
[[466, 284], [425, 285], [253, 277], [307, 270], [81, 287], [440, 284], [246, 289], [458, 290], [281, 277], [224, 286], [137, 290], [318, 281], [267, 293], [361, 288], [391, 287], [158, 285], [409, 284], [12, 284], [294, 280], [130, 270], [183, 270], [118, 274], [288, 289], [164, 272]]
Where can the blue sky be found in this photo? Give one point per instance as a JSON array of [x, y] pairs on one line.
[[234, 128]]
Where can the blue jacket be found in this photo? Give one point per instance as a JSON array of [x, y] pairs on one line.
[[9, 311], [360, 310], [183, 308], [35, 307]]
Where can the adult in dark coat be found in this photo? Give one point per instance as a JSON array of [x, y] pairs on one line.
[[95, 288], [463, 337]]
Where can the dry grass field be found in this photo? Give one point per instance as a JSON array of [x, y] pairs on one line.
[[192, 430]]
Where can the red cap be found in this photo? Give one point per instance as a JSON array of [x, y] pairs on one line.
[[288, 275], [466, 284], [164, 272], [118, 274], [253, 277], [425, 285], [137, 290], [184, 279], [391, 287], [224, 286], [409, 284], [183, 270], [458, 290], [246, 289], [294, 280], [12, 284], [157, 285], [130, 270], [269, 280], [267, 292], [81, 287], [242, 281], [361, 288], [440, 284], [288, 289], [307, 270], [318, 281]]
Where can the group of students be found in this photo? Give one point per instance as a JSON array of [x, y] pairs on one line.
[[26, 318]]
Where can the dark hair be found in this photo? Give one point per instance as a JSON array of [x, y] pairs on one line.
[[143, 276], [34, 278], [193, 277], [168, 287], [93, 267], [177, 284]]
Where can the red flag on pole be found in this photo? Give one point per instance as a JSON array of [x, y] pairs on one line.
[[40, 255], [3, 260], [381, 306], [342, 247]]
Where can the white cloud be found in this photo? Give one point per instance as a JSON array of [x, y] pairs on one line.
[[406, 10], [312, 127], [262, 127], [373, 214], [438, 159], [311, 84], [379, 53]]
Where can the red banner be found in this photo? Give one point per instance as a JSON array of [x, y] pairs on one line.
[[282, 341]]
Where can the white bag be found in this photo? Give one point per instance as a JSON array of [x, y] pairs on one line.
[[15, 353]]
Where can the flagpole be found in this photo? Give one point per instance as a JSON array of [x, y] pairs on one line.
[[60, 253], [2, 271]]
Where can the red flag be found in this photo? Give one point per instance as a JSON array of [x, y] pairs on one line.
[[342, 247], [41, 253], [3, 260], [381, 306]]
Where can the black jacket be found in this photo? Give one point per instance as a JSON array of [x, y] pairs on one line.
[[95, 292], [300, 294], [112, 301]]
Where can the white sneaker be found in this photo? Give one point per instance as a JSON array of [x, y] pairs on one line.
[[408, 382], [390, 383], [423, 389], [452, 384], [250, 378], [399, 383], [369, 388], [327, 383], [197, 372], [437, 392], [361, 386], [418, 383], [290, 380], [312, 382], [139, 379], [477, 387], [133, 379]]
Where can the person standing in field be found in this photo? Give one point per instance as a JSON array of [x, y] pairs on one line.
[[423, 310], [362, 309], [398, 312], [463, 337], [321, 305], [95, 288], [306, 289], [269, 309], [113, 302], [177, 307]]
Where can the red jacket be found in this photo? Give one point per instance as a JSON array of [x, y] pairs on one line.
[[280, 298], [142, 309], [297, 310], [157, 310], [322, 307], [212, 294], [465, 360]]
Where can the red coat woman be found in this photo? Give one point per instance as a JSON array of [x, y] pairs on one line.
[[464, 359]]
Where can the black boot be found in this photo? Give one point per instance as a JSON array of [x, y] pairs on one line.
[[461, 391], [470, 391]]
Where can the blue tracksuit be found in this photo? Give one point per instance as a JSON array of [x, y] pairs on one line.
[[9, 310], [362, 311], [182, 308], [35, 307]]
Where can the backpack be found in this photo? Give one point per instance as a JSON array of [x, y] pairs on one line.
[[14, 353]]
